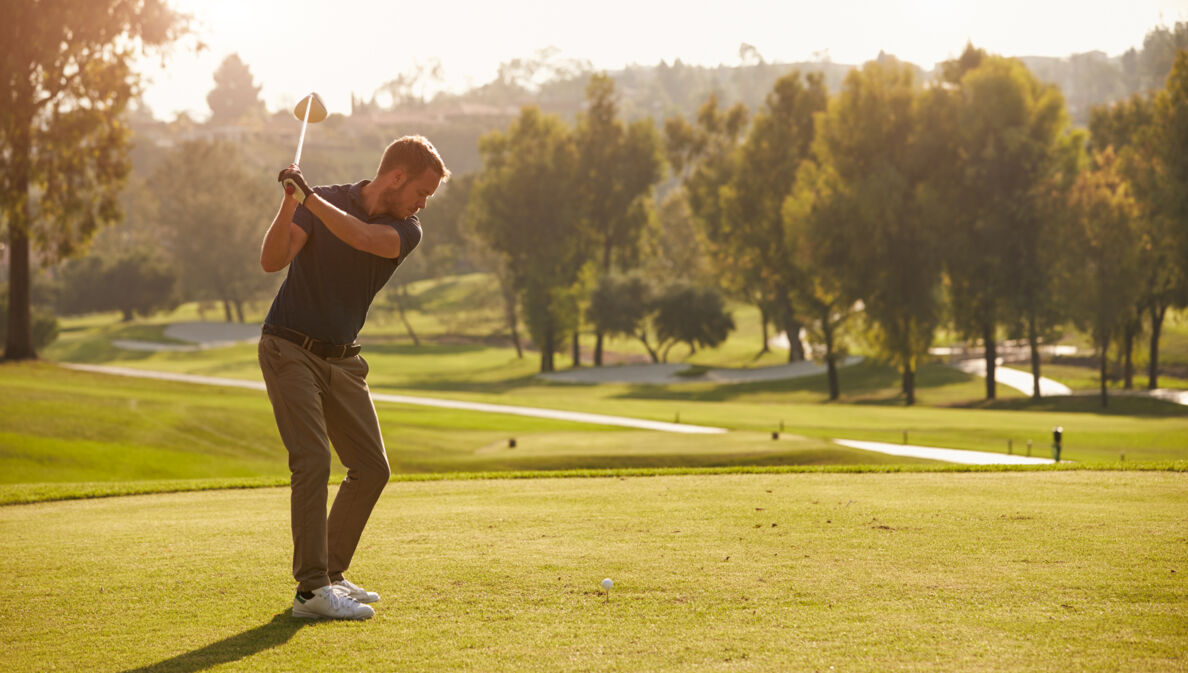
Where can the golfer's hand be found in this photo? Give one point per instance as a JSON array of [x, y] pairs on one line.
[[294, 182]]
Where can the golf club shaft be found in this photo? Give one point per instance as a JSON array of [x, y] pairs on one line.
[[304, 125]]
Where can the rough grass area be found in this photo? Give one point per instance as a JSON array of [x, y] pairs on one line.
[[1012, 572]]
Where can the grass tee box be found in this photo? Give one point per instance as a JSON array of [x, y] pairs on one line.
[[1011, 572]]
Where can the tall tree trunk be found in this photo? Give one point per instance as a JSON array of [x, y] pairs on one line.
[[227, 310], [1033, 342], [830, 356], [991, 359], [19, 342], [547, 349], [577, 350], [1158, 311], [404, 318], [791, 328], [1105, 355], [909, 381], [764, 319], [643, 338], [509, 312], [1127, 357], [239, 310], [607, 250]]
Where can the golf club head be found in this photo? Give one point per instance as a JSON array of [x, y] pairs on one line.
[[317, 109]]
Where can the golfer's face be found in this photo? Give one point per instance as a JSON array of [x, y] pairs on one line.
[[404, 201]]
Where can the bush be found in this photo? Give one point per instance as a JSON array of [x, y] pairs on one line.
[[45, 324]]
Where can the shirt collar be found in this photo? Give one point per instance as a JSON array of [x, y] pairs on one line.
[[356, 195]]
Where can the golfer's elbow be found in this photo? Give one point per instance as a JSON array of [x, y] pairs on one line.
[[271, 265]]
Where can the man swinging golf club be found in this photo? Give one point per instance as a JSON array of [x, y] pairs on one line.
[[341, 244]]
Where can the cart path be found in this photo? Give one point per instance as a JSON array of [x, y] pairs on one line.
[[1014, 378], [575, 416], [933, 453], [947, 455]]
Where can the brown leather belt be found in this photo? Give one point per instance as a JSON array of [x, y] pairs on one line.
[[321, 349]]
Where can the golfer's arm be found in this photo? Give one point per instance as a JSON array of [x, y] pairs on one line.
[[283, 240], [377, 239]]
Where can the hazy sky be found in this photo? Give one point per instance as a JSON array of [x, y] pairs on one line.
[[336, 48]]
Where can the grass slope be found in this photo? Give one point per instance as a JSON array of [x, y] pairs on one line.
[[913, 572]]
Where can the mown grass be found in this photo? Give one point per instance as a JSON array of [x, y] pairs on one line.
[[74, 428], [772, 572]]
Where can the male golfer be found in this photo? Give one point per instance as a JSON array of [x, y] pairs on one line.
[[341, 244]]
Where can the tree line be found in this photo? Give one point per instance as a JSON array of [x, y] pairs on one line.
[[882, 207], [885, 212]]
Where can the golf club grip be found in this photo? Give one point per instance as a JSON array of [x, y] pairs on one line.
[[293, 190]]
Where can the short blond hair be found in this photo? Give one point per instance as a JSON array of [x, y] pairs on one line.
[[414, 154]]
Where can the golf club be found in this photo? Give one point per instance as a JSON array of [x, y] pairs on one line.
[[310, 110]]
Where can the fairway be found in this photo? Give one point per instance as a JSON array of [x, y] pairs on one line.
[[1034, 571]]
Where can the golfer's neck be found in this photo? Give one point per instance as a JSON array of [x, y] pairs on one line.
[[371, 196]]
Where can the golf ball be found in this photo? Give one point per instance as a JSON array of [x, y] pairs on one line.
[[607, 584]]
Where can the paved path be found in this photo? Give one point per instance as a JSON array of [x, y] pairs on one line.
[[575, 416], [947, 455], [1022, 381], [1014, 378]]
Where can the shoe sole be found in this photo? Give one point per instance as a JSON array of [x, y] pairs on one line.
[[302, 614]]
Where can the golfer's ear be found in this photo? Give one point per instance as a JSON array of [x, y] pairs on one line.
[[396, 177]]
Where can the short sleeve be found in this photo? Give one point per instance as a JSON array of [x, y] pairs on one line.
[[410, 235], [303, 218]]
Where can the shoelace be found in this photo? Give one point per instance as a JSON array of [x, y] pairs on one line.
[[341, 601]]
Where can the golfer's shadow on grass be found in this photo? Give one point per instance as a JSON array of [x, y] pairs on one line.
[[240, 646]]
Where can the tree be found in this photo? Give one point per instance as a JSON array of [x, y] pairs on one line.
[[704, 155], [67, 72], [1170, 137], [660, 317], [213, 211], [45, 325], [522, 207], [411, 87], [622, 305], [752, 234], [618, 166], [673, 246], [879, 157], [691, 314], [235, 95], [1131, 130], [135, 283], [1161, 48], [1005, 134], [1105, 272], [811, 221]]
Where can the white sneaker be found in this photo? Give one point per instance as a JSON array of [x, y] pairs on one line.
[[347, 588], [330, 603]]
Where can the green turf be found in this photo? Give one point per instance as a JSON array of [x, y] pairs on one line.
[[1008, 572], [62, 426], [59, 427]]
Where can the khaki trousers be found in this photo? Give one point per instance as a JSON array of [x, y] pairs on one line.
[[319, 402]]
